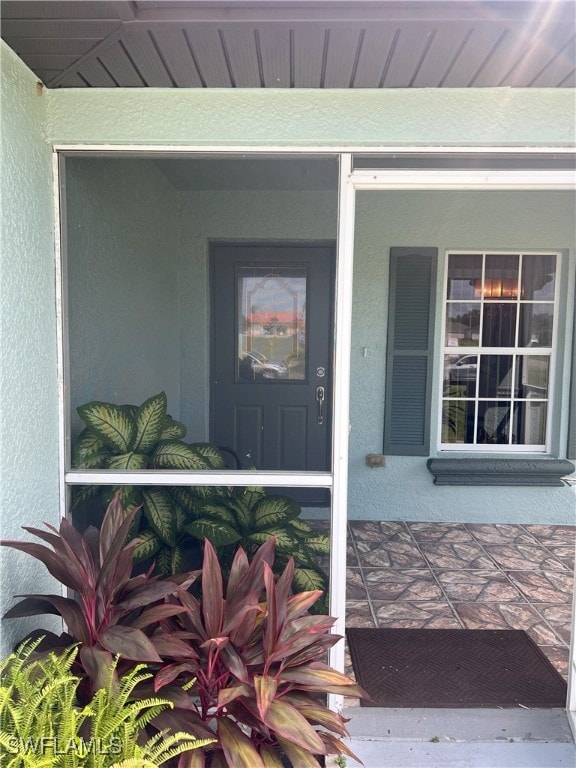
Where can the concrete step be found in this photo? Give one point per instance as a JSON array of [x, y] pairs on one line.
[[386, 754], [460, 738]]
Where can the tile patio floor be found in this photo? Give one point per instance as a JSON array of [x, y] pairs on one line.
[[472, 576]]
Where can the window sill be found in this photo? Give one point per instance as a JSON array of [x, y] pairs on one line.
[[539, 472]]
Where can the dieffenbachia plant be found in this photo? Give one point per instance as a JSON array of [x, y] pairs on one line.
[[128, 437]]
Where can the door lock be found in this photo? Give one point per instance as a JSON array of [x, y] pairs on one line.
[[320, 397]]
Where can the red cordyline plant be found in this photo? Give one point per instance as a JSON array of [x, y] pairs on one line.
[[250, 644], [111, 612], [260, 677]]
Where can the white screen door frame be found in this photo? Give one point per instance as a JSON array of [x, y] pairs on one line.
[[349, 182]]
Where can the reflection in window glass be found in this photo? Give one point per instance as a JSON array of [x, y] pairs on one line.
[[501, 276], [495, 376], [462, 373], [538, 277], [494, 419], [462, 325], [499, 327], [536, 322], [532, 423], [272, 324], [499, 311], [457, 420], [464, 276], [532, 376]]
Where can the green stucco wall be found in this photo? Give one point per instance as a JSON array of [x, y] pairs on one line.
[[403, 490], [122, 267], [28, 365], [371, 117]]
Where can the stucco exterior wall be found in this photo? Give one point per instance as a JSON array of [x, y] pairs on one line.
[[403, 490], [28, 363], [282, 117]]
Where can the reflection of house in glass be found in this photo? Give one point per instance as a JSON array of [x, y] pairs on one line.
[[461, 335], [272, 323], [275, 323]]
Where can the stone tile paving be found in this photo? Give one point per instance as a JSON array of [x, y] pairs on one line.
[[475, 576]]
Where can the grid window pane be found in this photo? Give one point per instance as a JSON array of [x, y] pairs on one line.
[[462, 324], [532, 374], [464, 276], [501, 276], [458, 421], [495, 376], [499, 312], [538, 277], [499, 325], [536, 325]]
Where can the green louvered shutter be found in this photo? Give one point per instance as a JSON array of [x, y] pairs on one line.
[[410, 345]]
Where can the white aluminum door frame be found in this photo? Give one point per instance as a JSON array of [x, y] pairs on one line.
[[349, 182]]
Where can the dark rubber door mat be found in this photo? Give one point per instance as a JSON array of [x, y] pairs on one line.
[[453, 668]]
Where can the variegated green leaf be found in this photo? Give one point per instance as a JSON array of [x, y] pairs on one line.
[[111, 423], [285, 542], [175, 560], [301, 555], [307, 580], [88, 446], [172, 429], [83, 493], [147, 546], [127, 461], [211, 454], [130, 496], [150, 419], [217, 512], [181, 518], [172, 454], [271, 510], [185, 499], [251, 494], [163, 561], [191, 497], [242, 512], [217, 531], [319, 543], [160, 513], [300, 525]]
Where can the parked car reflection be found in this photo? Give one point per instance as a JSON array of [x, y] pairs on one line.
[[255, 365], [464, 369]]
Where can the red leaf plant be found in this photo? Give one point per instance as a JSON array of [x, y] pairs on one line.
[[241, 662], [109, 612], [260, 674]]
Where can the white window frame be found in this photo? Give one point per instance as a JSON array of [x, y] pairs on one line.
[[551, 352]]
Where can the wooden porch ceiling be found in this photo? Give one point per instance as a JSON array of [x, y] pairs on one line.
[[295, 44]]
